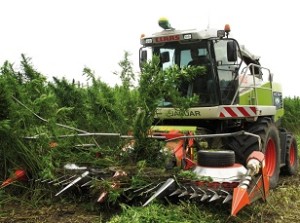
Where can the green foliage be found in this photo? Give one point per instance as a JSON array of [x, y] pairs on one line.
[[157, 213], [126, 94], [105, 107], [30, 106], [291, 119], [189, 175], [155, 87], [15, 119], [127, 75]]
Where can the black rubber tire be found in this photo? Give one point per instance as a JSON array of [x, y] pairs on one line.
[[243, 146], [292, 161], [215, 158]]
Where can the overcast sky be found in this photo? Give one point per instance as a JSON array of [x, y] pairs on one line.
[[64, 36]]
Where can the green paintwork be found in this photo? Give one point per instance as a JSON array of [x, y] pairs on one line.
[[167, 128], [264, 96]]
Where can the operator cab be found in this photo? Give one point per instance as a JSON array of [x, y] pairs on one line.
[[209, 49]]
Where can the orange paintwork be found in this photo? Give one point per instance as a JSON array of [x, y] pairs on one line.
[[17, 175]]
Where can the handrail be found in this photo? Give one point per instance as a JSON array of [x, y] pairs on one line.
[[242, 76]]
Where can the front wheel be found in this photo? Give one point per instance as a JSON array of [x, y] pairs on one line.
[[244, 145]]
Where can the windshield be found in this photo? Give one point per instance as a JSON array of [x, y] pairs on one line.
[[219, 84], [180, 55], [202, 86]]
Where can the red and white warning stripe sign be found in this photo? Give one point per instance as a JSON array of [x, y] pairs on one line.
[[235, 112]]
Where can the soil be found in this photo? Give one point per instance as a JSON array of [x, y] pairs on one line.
[[51, 214]]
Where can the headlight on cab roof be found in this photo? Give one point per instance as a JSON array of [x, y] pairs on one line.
[[187, 36], [148, 40]]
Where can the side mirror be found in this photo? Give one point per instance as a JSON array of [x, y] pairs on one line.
[[143, 56], [231, 51], [164, 57]]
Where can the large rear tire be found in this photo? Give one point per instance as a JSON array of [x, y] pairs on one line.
[[243, 146], [292, 162]]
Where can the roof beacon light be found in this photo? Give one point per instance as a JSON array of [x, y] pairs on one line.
[[164, 23], [227, 29]]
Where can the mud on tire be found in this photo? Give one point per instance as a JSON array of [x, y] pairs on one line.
[[244, 145]]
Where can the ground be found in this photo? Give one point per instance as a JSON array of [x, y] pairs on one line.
[[48, 214], [282, 206]]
